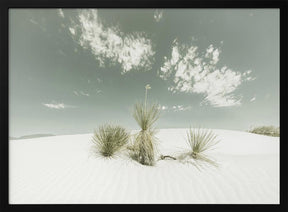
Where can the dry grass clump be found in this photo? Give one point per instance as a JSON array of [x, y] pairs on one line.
[[200, 141], [266, 130], [109, 139]]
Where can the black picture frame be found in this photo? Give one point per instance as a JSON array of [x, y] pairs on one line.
[[4, 145]]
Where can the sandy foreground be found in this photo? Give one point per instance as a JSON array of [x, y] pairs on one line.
[[64, 170]]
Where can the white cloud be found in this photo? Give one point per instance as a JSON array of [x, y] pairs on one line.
[[189, 72], [57, 106], [84, 94], [253, 99], [99, 91], [178, 108], [76, 93], [72, 30], [158, 14], [222, 100], [33, 21], [175, 108], [81, 93], [60, 13], [131, 51], [164, 107], [38, 24], [212, 54]]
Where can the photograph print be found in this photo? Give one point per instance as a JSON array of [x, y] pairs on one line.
[[144, 106]]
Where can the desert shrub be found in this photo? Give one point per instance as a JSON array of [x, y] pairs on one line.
[[200, 141], [144, 146], [109, 139], [266, 130], [145, 141]]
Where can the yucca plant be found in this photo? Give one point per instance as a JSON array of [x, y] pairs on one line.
[[200, 141], [145, 141], [109, 139], [146, 115], [144, 147]]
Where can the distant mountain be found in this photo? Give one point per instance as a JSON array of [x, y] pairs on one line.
[[31, 136]]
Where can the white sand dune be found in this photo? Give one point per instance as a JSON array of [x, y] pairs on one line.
[[62, 169]]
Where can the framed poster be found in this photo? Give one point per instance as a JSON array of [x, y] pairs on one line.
[[143, 105]]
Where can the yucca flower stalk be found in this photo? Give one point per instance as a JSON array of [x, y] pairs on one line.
[[147, 87], [144, 142]]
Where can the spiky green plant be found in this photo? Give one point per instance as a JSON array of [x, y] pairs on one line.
[[200, 141], [145, 141], [144, 147], [109, 139], [146, 115]]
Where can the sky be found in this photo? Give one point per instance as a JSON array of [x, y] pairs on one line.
[[72, 70]]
